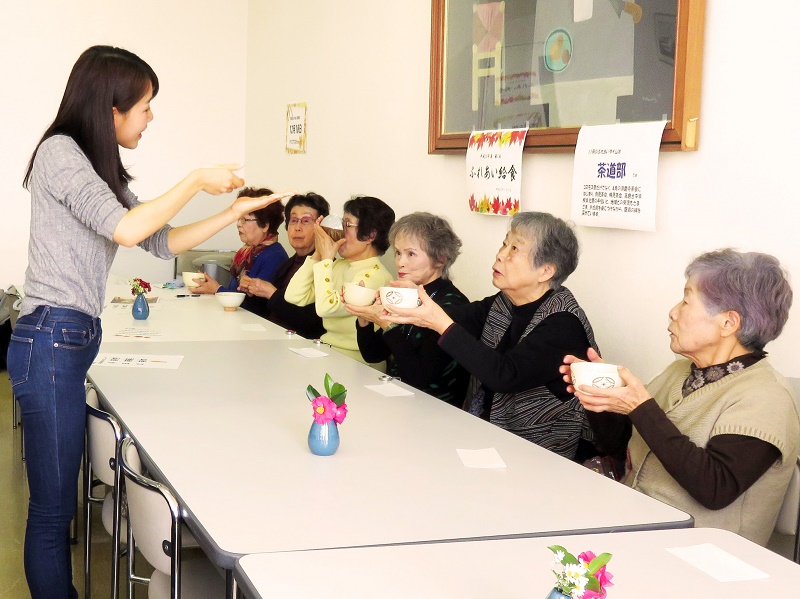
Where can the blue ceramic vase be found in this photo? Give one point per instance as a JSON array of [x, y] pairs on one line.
[[323, 439], [556, 594], [141, 309]]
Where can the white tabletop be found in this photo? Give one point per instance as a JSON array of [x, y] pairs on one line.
[[641, 567], [228, 432], [176, 318]]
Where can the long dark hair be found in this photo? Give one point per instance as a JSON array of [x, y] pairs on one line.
[[103, 78]]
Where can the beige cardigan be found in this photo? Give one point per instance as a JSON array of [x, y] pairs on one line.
[[755, 402]]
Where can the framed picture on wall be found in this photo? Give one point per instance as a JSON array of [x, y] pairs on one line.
[[546, 65]]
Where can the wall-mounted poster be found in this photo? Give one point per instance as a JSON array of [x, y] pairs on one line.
[[614, 181], [494, 170], [296, 128]]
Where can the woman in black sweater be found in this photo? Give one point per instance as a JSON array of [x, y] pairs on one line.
[[425, 247]]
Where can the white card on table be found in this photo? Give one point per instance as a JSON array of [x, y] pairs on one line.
[[717, 562], [481, 458], [389, 390], [308, 352]]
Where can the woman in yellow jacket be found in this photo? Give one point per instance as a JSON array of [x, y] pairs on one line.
[[366, 224]]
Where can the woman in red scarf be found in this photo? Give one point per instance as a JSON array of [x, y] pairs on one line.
[[261, 253]]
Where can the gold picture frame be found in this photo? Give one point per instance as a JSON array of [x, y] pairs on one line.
[[610, 54]]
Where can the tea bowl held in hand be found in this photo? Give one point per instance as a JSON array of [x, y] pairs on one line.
[[357, 295], [399, 297], [595, 375], [333, 226], [189, 278], [230, 300]]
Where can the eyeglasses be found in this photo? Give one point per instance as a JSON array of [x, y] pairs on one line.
[[244, 220], [347, 224], [306, 221]]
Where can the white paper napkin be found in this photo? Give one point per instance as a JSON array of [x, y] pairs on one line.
[[389, 390], [717, 562], [308, 352], [481, 458]]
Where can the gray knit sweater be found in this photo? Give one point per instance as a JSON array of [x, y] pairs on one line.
[[73, 217]]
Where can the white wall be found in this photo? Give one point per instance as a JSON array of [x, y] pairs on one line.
[[363, 68], [198, 50]]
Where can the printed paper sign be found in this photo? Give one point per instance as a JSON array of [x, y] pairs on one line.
[[296, 128], [138, 361], [614, 181], [494, 170]]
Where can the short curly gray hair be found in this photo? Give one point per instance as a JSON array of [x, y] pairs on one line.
[[553, 241], [753, 284], [434, 234]]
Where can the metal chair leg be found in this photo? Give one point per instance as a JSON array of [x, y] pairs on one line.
[[87, 525]]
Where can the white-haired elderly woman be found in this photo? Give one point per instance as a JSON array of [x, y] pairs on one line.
[[716, 434], [425, 247], [513, 342]]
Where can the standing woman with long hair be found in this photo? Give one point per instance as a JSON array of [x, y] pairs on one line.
[[81, 211]]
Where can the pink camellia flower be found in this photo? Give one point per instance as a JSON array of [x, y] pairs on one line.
[[587, 594], [341, 413], [586, 557], [324, 409], [604, 578]]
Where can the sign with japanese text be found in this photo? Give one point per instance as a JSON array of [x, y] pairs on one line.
[[296, 128], [614, 182], [494, 170]]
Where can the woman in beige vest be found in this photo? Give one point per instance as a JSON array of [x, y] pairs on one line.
[[715, 435]]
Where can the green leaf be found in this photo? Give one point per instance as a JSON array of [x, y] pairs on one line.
[[311, 393], [593, 585], [598, 562], [338, 390], [329, 382]]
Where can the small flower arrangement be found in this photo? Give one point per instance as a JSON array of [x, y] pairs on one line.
[[330, 406], [139, 286], [584, 577]]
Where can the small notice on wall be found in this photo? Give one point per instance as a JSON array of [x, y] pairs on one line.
[[494, 170], [296, 128], [614, 182]]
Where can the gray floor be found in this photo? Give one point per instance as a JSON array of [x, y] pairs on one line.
[[13, 513]]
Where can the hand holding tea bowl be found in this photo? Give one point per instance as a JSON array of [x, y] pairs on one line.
[[618, 399], [428, 314], [325, 247]]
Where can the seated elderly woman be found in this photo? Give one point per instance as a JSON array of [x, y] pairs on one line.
[[320, 279], [425, 247], [268, 301], [261, 253], [513, 342], [715, 435]]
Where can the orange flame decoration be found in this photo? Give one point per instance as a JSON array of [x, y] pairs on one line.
[[494, 205], [496, 138]]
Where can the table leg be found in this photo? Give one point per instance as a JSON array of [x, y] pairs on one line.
[[231, 588]]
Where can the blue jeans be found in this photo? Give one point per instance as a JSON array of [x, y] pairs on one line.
[[48, 357]]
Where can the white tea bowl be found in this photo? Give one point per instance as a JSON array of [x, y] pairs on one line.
[[230, 300], [399, 297], [595, 374], [189, 278], [357, 295], [333, 226]]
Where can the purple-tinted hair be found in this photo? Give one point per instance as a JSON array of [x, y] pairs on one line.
[[752, 284]]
